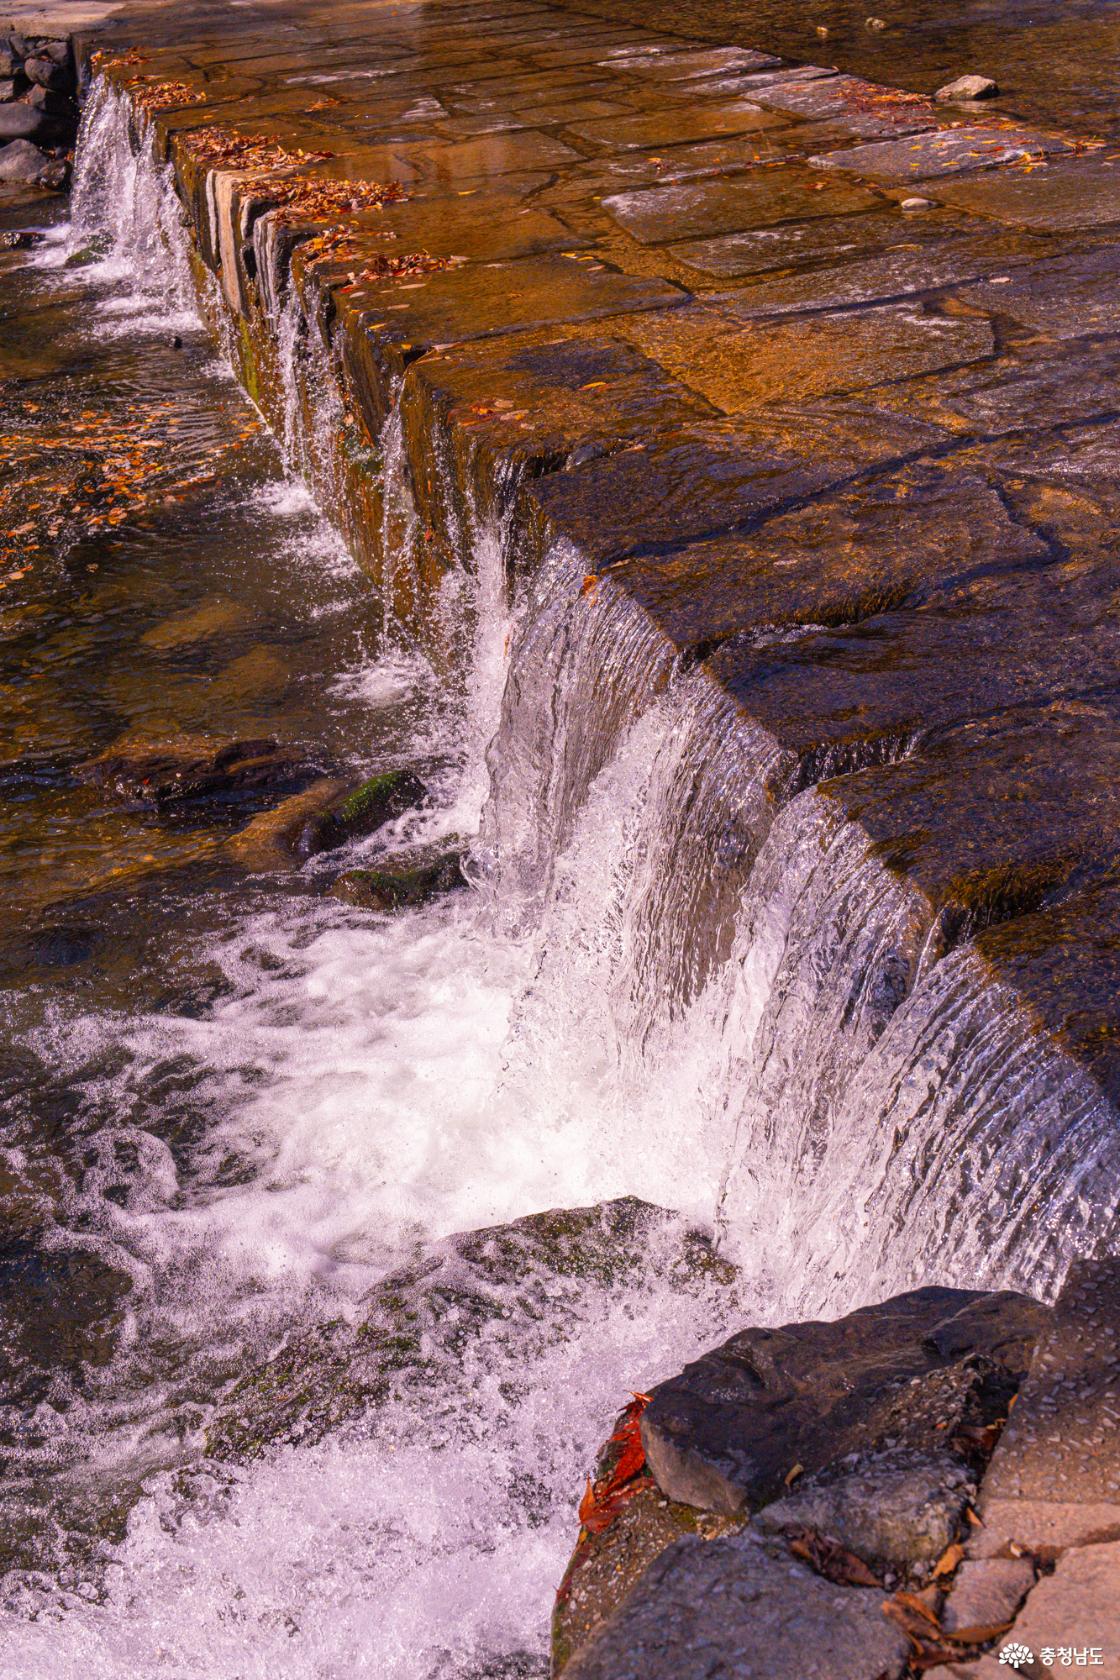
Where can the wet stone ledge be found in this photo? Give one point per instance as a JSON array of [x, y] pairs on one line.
[[659, 305], [916, 1486]]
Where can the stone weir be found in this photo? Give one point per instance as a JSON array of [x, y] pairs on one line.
[[816, 378]]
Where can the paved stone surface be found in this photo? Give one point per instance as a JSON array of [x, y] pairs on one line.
[[773, 342], [1055, 1477], [1071, 1621], [987, 1593], [952, 151], [901, 1377], [706, 1610]]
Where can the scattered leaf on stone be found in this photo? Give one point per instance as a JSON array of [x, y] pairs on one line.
[[979, 1635], [947, 1563], [832, 1560], [625, 1472]]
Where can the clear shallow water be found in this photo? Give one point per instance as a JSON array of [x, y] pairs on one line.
[[234, 1105]]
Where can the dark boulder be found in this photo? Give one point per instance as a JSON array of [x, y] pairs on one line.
[[738, 1607], [47, 73], [54, 104], [24, 122], [926, 1373], [22, 162]]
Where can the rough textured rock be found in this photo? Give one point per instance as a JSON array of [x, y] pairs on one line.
[[1054, 1480], [21, 161], [925, 1372], [897, 1510], [734, 1607], [987, 1593], [24, 122], [400, 883], [606, 1566]]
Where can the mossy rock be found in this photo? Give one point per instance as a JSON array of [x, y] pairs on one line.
[[364, 810], [400, 886], [431, 1329]]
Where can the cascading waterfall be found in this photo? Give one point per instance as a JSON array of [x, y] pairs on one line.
[[628, 831], [669, 981]]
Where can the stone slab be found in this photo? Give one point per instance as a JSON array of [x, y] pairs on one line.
[[1061, 1447], [947, 151], [482, 298], [1065, 297], [1065, 960], [660, 215], [990, 643], [1081, 192], [822, 238], [906, 271], [731, 1607], [1070, 1614], [674, 64], [740, 364], [696, 481], [987, 1593], [841, 558], [674, 124], [860, 107]]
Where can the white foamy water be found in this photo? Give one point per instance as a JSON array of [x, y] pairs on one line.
[[664, 982]]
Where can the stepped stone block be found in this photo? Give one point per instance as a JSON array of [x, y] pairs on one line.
[[1054, 1480]]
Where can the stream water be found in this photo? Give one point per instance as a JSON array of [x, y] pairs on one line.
[[232, 1104]]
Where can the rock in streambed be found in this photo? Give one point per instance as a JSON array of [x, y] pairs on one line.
[[876, 1513], [436, 1329], [367, 808], [402, 883]]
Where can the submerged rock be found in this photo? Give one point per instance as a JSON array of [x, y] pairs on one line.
[[185, 768], [521, 1287], [363, 811], [399, 884], [270, 840]]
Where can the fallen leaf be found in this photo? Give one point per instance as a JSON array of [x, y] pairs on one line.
[[948, 1561], [831, 1560]]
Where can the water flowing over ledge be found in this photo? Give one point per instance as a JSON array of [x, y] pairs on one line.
[[844, 1087], [684, 973]]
